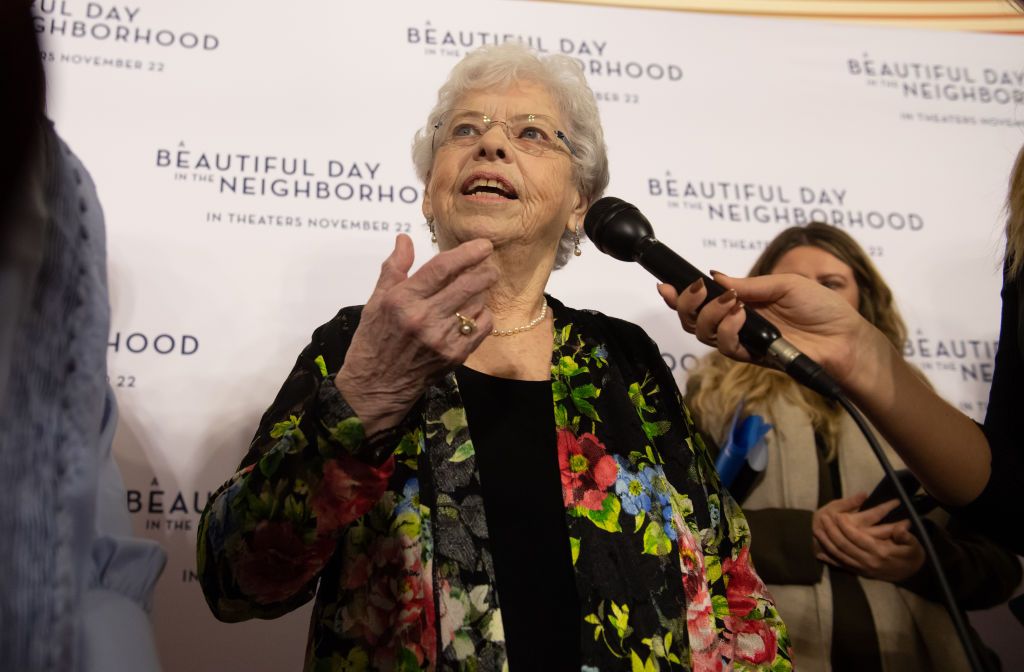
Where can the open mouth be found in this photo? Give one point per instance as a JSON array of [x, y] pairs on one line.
[[489, 185]]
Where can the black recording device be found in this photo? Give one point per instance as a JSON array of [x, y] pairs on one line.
[[885, 491]]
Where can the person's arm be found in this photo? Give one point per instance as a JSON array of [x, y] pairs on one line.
[[943, 447], [325, 449], [981, 573], [267, 533]]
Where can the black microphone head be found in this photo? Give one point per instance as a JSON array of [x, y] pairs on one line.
[[617, 228]]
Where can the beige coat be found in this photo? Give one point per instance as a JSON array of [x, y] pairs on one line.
[[913, 633]]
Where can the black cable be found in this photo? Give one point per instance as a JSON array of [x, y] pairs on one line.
[[926, 542]]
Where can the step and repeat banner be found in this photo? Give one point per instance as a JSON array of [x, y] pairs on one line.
[[253, 163]]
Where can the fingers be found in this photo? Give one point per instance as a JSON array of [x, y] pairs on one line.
[[468, 285], [396, 267], [873, 515], [886, 531], [717, 323], [846, 547], [850, 503], [902, 534], [669, 294], [444, 267], [831, 539], [756, 289]]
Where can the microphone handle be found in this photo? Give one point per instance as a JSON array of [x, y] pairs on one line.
[[757, 333]]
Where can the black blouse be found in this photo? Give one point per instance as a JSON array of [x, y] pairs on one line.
[[514, 440]]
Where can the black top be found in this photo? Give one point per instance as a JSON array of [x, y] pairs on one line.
[[513, 432], [1001, 501]]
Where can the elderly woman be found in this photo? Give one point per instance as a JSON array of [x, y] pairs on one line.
[[470, 475]]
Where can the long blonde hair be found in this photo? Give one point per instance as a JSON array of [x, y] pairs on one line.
[[1015, 218], [719, 384]]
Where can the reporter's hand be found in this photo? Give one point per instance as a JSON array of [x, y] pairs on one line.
[[408, 335], [854, 540], [813, 318]]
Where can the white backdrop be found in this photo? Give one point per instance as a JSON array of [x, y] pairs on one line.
[[253, 163]]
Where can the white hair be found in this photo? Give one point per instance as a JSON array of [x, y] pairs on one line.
[[502, 65]]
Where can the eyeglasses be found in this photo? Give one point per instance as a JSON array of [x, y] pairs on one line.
[[531, 133]]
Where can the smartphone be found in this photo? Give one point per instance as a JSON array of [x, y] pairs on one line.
[[885, 490]]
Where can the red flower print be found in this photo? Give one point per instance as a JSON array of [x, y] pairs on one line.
[[691, 559], [349, 489], [391, 605], [706, 661], [700, 620], [744, 587], [274, 563], [587, 470], [755, 642]]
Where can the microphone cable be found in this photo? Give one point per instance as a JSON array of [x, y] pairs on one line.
[[915, 520]]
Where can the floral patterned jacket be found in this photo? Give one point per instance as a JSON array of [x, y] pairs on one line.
[[391, 537]]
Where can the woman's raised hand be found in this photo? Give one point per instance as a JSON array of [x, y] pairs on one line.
[[409, 335], [813, 318]]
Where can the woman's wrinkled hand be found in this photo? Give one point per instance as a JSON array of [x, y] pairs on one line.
[[813, 318], [409, 335], [853, 539]]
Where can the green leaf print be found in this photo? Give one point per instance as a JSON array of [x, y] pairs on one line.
[[608, 517], [713, 566], [574, 545], [619, 618], [321, 364], [463, 452], [656, 542], [720, 604], [585, 407], [349, 433], [454, 420], [567, 367], [561, 416], [270, 462]]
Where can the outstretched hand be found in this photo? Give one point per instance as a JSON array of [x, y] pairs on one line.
[[409, 335]]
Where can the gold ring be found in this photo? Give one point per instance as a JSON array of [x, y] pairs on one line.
[[466, 325]]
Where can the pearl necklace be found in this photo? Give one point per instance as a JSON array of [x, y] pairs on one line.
[[526, 327]]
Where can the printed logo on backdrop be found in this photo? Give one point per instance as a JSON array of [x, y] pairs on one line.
[[76, 28], [965, 95], [168, 511], [128, 347], [966, 364], [281, 188], [605, 63], [729, 202]]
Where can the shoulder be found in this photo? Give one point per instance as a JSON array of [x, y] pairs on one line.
[[598, 326], [626, 343], [331, 339]]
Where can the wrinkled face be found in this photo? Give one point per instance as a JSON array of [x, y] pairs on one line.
[[822, 267], [488, 187]]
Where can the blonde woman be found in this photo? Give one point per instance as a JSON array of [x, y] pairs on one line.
[[855, 591]]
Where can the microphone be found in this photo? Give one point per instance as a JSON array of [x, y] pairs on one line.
[[620, 230]]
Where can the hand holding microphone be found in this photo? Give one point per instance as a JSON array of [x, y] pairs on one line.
[[719, 319]]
